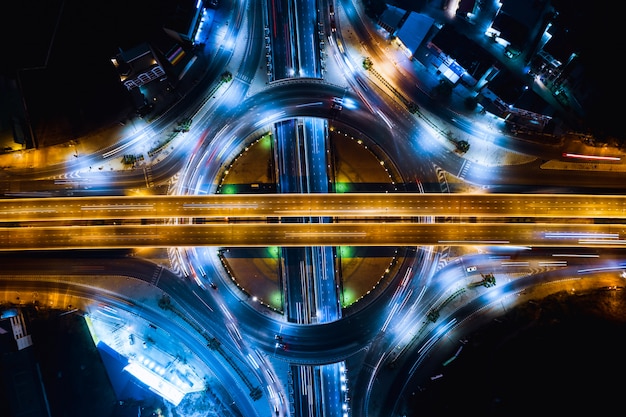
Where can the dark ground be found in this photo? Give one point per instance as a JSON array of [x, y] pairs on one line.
[[562, 355], [62, 52]]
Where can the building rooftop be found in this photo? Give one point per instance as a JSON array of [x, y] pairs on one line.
[[414, 30], [392, 16]]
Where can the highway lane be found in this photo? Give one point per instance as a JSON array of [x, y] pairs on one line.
[[313, 234], [339, 206]]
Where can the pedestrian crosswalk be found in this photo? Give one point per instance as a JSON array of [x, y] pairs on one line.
[[443, 181], [176, 262]]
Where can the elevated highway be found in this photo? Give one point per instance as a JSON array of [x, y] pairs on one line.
[[373, 233], [341, 206], [359, 220]]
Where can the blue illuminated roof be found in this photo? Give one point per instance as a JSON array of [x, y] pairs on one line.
[[414, 30]]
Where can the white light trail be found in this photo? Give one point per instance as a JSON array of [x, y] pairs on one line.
[[579, 235], [317, 103], [593, 157], [33, 210], [514, 263], [476, 242], [219, 205], [433, 339], [600, 242], [553, 263], [202, 301], [606, 268], [253, 362], [389, 317], [119, 207], [347, 234], [226, 312]]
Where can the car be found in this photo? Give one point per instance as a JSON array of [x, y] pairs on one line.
[[212, 285], [471, 269], [281, 345]]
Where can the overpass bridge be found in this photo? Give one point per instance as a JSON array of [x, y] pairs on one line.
[[340, 206], [364, 219]]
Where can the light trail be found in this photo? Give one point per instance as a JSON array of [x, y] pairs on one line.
[[318, 103], [592, 242], [591, 157], [119, 207], [201, 300], [553, 263], [578, 235], [606, 268], [514, 264], [475, 242], [219, 205], [314, 234]]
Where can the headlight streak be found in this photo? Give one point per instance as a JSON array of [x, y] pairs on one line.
[[201, 300], [226, 312], [313, 234], [475, 242], [553, 263], [218, 205], [252, 361], [118, 207], [269, 119], [235, 335], [513, 263], [389, 317], [593, 157], [317, 103], [442, 329], [600, 269], [385, 119], [405, 321], [580, 235], [323, 212], [124, 146], [33, 210], [585, 242], [397, 295]]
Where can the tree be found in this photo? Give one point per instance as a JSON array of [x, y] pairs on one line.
[[471, 103], [367, 63], [462, 145]]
